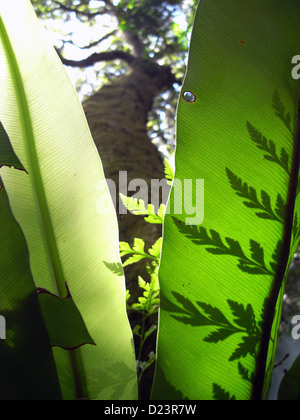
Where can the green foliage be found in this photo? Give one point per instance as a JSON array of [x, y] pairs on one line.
[[149, 301], [148, 304], [221, 286], [221, 283], [58, 208], [269, 147], [249, 193], [145, 16], [220, 394], [138, 207], [137, 252], [169, 173], [199, 236]]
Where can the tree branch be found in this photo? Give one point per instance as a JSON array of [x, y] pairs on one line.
[[78, 12], [97, 57], [92, 44]]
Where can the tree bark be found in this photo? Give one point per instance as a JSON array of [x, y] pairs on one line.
[[117, 115]]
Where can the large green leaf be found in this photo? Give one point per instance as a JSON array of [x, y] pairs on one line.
[[222, 278], [26, 362], [63, 205]]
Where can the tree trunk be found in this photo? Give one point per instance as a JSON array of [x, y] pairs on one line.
[[117, 115]]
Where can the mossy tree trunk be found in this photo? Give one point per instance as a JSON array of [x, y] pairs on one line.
[[117, 115]]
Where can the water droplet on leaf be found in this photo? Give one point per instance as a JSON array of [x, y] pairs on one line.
[[189, 96]]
